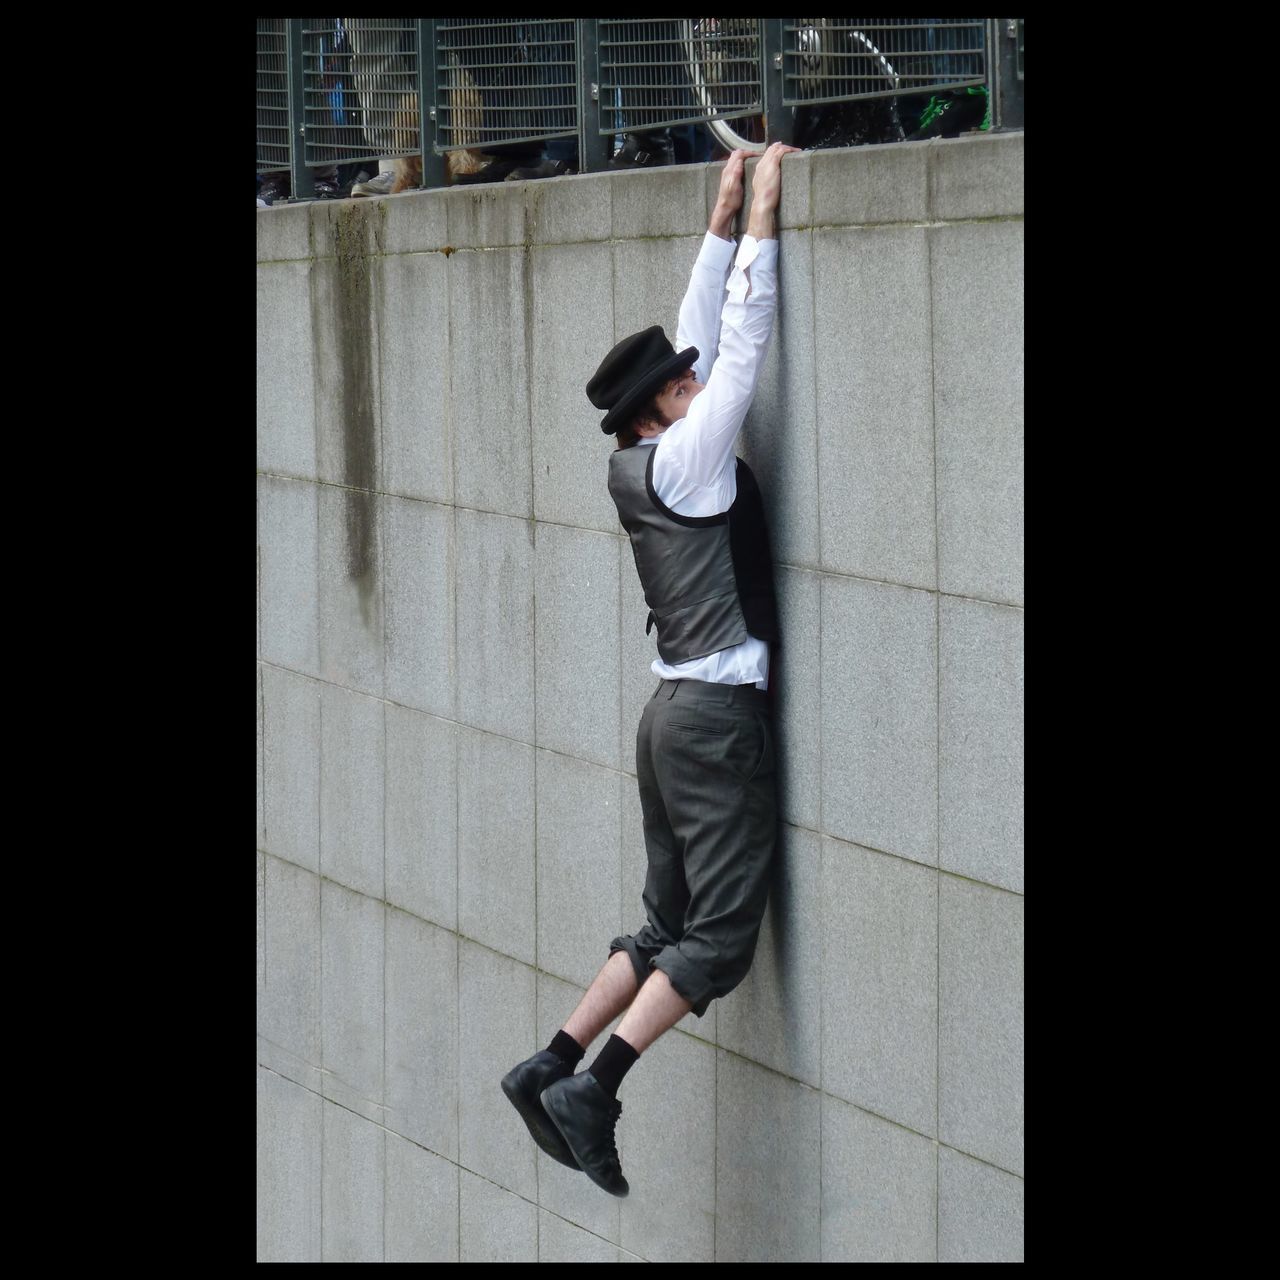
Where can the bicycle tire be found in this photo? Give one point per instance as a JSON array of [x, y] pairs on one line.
[[709, 50], [749, 133]]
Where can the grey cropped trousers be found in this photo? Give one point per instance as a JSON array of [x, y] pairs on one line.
[[708, 790]]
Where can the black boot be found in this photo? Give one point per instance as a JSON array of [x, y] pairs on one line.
[[586, 1117], [644, 150]]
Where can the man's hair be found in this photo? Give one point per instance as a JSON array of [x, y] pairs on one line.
[[627, 435]]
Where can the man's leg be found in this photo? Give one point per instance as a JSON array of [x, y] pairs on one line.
[[655, 1010], [612, 991]]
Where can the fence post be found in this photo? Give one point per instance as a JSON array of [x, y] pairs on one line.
[[302, 185], [433, 164], [778, 121], [1004, 62], [593, 146]]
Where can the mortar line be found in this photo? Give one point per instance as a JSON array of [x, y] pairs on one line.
[[937, 694], [383, 1089], [320, 936], [451, 437], [605, 533], [817, 463]]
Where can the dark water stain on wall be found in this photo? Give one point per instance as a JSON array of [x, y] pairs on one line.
[[353, 333]]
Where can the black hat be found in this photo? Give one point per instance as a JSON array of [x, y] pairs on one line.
[[637, 368]]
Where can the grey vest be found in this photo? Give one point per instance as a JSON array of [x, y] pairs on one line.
[[708, 580]]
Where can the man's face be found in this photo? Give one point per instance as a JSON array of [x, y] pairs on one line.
[[677, 396]]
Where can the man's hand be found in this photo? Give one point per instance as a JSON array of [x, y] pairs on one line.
[[766, 187], [729, 200]]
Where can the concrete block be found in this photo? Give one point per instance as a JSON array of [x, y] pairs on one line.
[[496, 1226], [980, 736], [980, 1056], [495, 621], [354, 1160], [774, 1016], [572, 327], [421, 1209], [262, 920], [286, 412], [978, 361], [291, 766], [489, 306], [779, 438], [880, 717], [570, 210], [880, 984], [659, 202], [561, 1241], [496, 843], [976, 177], [261, 785], [766, 1209], [858, 186], [487, 216], [795, 204], [422, 1033], [649, 280], [287, 551], [288, 1170], [422, 818], [352, 646], [496, 1012], [417, 448], [422, 663], [875, 403], [980, 1211], [284, 232], [352, 934], [635, 866], [576, 611], [414, 222], [667, 1144], [795, 676], [289, 1001], [879, 1189], [636, 654], [565, 1192], [352, 772], [579, 861], [345, 319]]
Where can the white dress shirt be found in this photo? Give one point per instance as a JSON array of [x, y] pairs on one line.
[[694, 470]]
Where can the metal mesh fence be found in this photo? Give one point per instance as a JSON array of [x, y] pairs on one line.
[[360, 79], [838, 59], [504, 80], [656, 72], [273, 95]]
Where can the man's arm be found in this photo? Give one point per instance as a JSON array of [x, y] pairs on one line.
[[694, 466], [699, 323]]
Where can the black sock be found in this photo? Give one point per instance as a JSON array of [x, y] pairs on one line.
[[567, 1049], [615, 1060]]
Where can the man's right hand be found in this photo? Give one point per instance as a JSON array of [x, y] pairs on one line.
[[766, 186]]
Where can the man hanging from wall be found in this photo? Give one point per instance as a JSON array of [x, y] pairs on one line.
[[704, 749]]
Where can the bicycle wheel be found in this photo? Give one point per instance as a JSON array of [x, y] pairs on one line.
[[724, 52], [723, 60]]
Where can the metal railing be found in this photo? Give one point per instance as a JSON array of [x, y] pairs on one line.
[[658, 72], [505, 80], [847, 59], [338, 90]]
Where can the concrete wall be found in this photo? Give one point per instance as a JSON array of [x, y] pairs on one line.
[[452, 662]]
